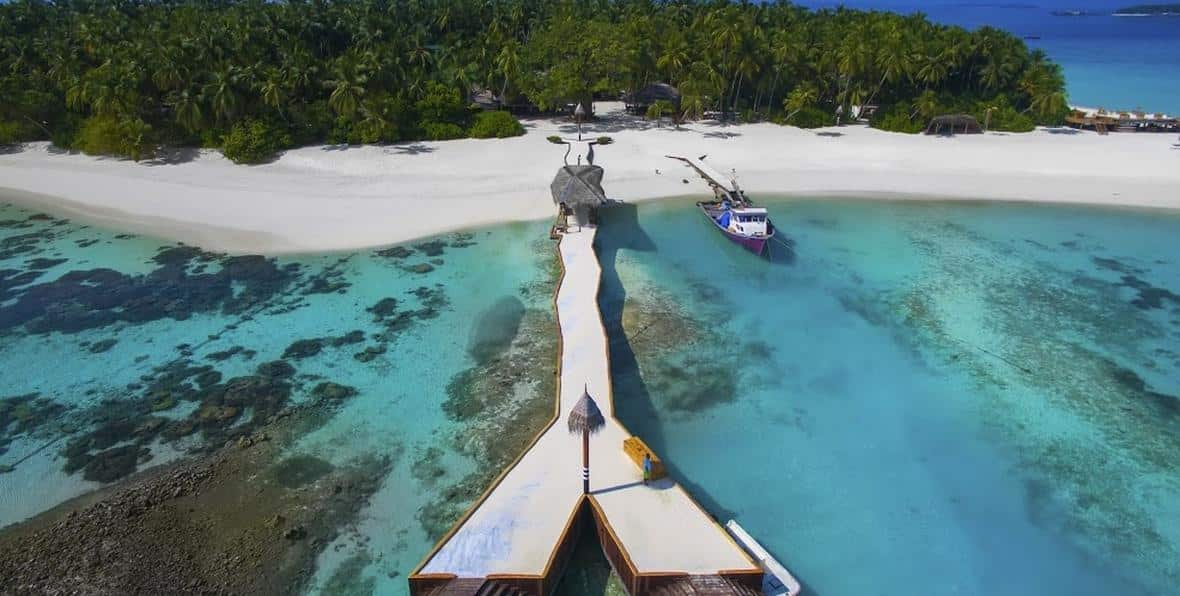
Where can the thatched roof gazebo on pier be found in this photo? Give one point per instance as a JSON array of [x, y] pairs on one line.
[[577, 191], [953, 124]]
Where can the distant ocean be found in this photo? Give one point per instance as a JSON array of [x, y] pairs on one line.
[[1113, 62]]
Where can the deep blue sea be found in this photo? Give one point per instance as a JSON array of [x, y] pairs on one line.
[[1113, 62]]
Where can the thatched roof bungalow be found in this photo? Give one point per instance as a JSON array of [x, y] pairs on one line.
[[639, 101], [515, 103], [577, 191], [954, 124], [484, 99]]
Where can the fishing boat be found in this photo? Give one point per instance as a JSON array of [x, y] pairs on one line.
[[731, 211]]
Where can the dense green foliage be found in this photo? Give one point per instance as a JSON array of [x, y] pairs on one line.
[[495, 125], [109, 135], [189, 72], [254, 141], [808, 117], [995, 113]]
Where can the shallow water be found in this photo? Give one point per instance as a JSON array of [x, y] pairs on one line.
[[956, 398], [122, 326], [953, 397]]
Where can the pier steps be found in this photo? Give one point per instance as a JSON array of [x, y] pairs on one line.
[[704, 586]]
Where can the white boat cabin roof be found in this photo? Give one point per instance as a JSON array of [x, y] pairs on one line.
[[750, 210]]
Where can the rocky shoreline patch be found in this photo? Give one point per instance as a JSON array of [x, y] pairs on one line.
[[230, 522]]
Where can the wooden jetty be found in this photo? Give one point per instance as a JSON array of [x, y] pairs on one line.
[[1104, 121], [518, 536]]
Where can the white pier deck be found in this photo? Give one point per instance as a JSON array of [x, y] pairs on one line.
[[517, 528], [707, 172]]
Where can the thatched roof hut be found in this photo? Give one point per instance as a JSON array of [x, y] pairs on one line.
[[641, 99], [484, 99], [954, 124], [577, 190], [578, 185]]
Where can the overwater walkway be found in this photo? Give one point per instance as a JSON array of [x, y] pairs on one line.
[[518, 536]]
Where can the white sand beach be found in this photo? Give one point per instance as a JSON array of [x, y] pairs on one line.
[[334, 198]]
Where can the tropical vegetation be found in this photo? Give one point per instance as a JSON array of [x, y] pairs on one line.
[[253, 77]]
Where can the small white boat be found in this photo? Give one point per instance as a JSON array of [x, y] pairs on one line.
[[777, 581]]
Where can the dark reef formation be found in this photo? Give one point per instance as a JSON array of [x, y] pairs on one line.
[[219, 416], [93, 298], [28, 414], [210, 525], [242, 511], [681, 362]]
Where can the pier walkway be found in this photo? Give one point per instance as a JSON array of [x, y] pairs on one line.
[[518, 536]]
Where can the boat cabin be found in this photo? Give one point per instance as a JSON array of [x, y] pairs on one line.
[[747, 221]]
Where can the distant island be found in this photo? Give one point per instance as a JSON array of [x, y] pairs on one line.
[[1138, 10], [1149, 10]]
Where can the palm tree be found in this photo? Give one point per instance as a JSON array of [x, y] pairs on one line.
[[787, 50], [926, 105], [674, 59], [347, 90], [222, 94], [169, 73], [932, 70], [186, 105], [508, 64], [1043, 86], [892, 60], [800, 98], [273, 89]]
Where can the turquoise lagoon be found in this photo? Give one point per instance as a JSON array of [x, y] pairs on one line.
[[940, 398], [168, 307], [918, 397]]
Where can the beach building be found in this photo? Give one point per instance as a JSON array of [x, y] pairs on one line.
[[952, 124], [638, 102], [577, 193], [1104, 121]]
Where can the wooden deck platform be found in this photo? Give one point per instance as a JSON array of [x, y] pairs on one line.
[[517, 537]]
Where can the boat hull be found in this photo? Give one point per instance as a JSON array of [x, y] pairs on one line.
[[754, 244]]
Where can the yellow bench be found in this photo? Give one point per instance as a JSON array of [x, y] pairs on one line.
[[635, 448]]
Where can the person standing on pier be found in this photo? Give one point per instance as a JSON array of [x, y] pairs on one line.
[[646, 468]]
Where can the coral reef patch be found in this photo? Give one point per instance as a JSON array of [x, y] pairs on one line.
[[207, 525], [92, 298]]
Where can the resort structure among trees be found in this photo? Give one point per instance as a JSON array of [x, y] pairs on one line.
[[954, 124], [253, 78]]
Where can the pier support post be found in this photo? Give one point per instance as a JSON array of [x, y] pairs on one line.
[[586, 418], [586, 462]]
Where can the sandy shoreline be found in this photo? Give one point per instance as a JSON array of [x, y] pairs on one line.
[[335, 198]]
